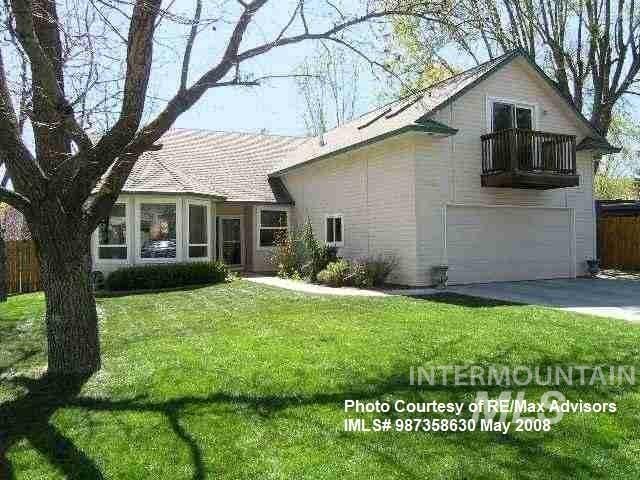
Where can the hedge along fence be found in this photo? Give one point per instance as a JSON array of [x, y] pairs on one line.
[[23, 267]]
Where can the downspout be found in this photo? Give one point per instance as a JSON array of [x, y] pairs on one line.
[[366, 202]]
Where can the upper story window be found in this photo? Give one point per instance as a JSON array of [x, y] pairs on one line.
[[511, 115], [112, 234], [334, 226], [272, 223], [158, 230], [198, 231]]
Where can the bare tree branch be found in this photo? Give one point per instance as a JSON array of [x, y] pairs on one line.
[[20, 164], [214, 77], [190, 41]]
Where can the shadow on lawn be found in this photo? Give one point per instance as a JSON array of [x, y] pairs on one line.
[[466, 300], [29, 417]]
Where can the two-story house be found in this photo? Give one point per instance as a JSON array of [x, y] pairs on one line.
[[489, 172]]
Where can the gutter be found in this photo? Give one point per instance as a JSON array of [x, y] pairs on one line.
[[426, 126]]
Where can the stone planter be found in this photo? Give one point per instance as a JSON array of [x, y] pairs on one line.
[[593, 266], [440, 276]]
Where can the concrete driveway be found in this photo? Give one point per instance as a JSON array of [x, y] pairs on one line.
[[607, 297]]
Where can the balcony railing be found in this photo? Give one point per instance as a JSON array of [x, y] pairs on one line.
[[519, 158]]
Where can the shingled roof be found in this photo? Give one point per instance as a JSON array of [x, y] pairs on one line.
[[243, 167], [412, 113], [233, 166], [155, 173]]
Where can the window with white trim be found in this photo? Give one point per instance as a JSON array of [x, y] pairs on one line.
[[272, 224], [198, 231], [334, 226], [112, 234], [158, 230], [505, 115]]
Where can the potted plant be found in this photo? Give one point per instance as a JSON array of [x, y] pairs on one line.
[[593, 266], [440, 276]]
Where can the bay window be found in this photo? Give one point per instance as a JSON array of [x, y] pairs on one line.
[[158, 230], [198, 230], [272, 224], [112, 234]]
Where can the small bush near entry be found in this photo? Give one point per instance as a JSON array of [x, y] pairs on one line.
[[336, 274], [316, 255], [286, 255], [167, 275], [298, 254], [363, 273], [372, 271]]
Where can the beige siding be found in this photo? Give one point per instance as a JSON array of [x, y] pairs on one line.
[[374, 189], [433, 166], [249, 230], [515, 81], [456, 162], [394, 194], [581, 200]]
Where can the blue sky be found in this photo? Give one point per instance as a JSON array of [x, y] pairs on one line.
[[276, 104]]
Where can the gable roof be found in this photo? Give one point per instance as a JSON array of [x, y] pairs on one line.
[[232, 166], [154, 173], [411, 113]]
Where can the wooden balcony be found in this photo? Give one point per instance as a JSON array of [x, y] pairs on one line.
[[516, 158]]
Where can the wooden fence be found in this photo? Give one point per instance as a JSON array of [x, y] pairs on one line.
[[619, 242], [23, 269]]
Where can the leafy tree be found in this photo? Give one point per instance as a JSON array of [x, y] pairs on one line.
[[625, 133], [84, 92], [328, 83], [616, 188], [590, 47], [413, 53]]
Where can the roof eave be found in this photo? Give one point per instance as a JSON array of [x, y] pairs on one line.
[[599, 145], [147, 191], [507, 58], [429, 127], [520, 53], [602, 150]]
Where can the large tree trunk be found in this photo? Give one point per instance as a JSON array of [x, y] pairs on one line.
[[601, 118], [3, 268], [71, 317]]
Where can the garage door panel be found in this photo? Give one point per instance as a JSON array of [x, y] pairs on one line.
[[494, 244]]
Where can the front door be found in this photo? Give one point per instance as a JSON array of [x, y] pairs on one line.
[[231, 240]]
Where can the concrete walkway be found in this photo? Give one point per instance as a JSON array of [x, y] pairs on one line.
[[614, 297], [312, 288]]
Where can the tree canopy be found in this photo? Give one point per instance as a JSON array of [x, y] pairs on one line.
[[590, 47]]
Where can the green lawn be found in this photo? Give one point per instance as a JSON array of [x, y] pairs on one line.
[[241, 381]]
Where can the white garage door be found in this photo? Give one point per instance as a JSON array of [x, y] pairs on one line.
[[500, 244]]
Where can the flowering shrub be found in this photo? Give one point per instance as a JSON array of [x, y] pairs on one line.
[[299, 254], [336, 274]]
